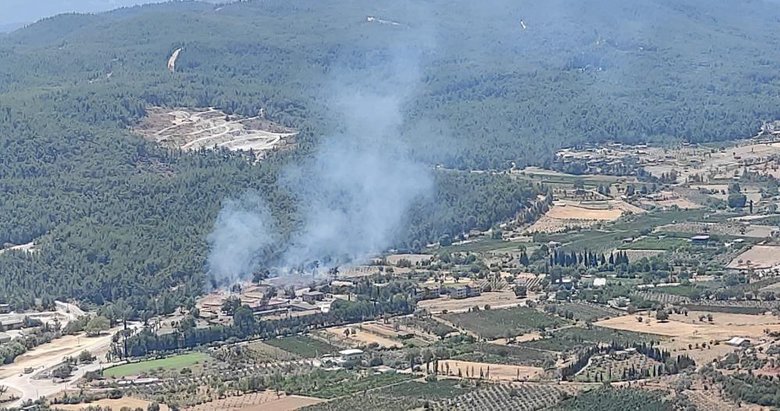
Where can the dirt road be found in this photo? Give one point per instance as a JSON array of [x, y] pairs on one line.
[[48, 356]]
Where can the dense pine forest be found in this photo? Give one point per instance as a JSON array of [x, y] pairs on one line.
[[117, 218]]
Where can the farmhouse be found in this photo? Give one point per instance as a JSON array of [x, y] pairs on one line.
[[351, 355], [274, 305], [5, 308], [700, 239], [464, 292], [738, 342], [12, 322], [428, 292], [312, 296], [599, 282], [342, 284], [4, 338]]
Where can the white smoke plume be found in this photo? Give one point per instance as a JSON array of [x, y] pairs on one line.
[[353, 193]]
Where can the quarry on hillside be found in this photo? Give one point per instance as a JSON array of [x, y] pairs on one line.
[[210, 128]]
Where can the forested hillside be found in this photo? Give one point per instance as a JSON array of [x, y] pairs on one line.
[[117, 218]]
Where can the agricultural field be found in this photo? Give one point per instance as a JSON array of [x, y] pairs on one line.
[[114, 404], [355, 335], [565, 215], [659, 294], [586, 311], [303, 346], [656, 244], [396, 332], [262, 352], [609, 398], [504, 354], [500, 397], [572, 338], [173, 363], [729, 228], [608, 368], [495, 299], [265, 400], [695, 328], [758, 257], [488, 371], [426, 325], [497, 323], [401, 397], [332, 384]]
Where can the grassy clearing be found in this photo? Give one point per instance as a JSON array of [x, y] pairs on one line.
[[303, 346], [652, 243], [175, 362], [493, 324], [263, 353]]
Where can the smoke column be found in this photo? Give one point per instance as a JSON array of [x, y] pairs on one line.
[[353, 193]]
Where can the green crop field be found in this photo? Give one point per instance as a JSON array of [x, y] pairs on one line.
[[175, 362], [503, 354], [577, 337], [498, 323], [303, 346]]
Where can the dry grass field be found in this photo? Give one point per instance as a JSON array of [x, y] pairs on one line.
[[263, 401], [564, 215], [683, 332], [362, 337], [493, 372], [759, 257], [498, 299], [121, 403]]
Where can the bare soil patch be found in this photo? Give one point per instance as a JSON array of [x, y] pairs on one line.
[[758, 257], [499, 299], [493, 372], [362, 337], [126, 402], [195, 129]]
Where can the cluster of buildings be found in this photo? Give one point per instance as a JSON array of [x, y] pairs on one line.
[[430, 292], [265, 302]]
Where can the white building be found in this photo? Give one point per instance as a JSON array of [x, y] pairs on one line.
[[351, 355]]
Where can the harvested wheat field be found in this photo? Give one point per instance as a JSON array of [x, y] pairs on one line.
[[394, 259], [689, 329], [569, 214], [493, 372], [263, 401], [758, 257], [121, 403]]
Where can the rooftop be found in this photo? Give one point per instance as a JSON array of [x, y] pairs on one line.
[[351, 351]]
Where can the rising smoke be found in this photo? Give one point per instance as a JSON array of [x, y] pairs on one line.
[[354, 192]]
